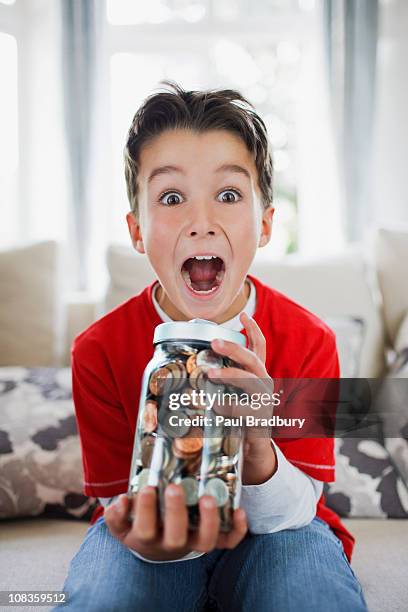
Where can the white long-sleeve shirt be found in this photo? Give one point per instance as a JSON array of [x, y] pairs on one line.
[[286, 501]]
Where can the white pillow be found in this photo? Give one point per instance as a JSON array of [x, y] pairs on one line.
[[30, 306], [129, 273]]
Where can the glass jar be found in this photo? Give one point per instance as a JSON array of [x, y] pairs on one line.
[[179, 437]]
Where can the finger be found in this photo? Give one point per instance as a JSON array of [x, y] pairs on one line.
[[256, 339], [246, 358], [205, 538], [145, 523], [175, 518], [247, 381], [116, 517], [237, 533]]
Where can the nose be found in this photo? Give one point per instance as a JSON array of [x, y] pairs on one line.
[[202, 221]]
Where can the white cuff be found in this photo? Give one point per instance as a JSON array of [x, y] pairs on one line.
[[286, 501]]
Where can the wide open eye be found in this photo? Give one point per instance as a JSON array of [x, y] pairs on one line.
[[170, 198], [229, 196]]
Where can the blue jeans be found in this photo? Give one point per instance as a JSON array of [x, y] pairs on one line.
[[295, 569]]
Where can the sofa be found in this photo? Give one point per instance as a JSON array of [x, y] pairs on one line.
[[361, 293]]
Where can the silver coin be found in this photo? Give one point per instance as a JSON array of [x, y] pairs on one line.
[[208, 359], [218, 489], [190, 487], [180, 429]]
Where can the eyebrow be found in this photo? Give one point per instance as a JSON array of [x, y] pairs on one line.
[[234, 168], [164, 170], [224, 168]]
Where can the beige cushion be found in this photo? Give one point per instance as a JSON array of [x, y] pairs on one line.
[[31, 323], [335, 286], [391, 249], [129, 273]]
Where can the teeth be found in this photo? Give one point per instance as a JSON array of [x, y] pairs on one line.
[[204, 257]]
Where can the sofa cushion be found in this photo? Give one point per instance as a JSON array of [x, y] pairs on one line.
[[40, 455], [391, 251], [31, 316], [367, 483]]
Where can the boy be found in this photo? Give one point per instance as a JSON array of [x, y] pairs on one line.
[[199, 178]]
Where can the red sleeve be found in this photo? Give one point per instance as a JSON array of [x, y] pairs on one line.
[[105, 435], [314, 455]]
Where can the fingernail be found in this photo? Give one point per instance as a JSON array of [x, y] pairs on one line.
[[172, 492], [214, 372], [208, 503]]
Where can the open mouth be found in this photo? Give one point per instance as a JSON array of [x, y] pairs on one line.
[[203, 274]]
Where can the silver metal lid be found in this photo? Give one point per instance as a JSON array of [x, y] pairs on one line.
[[196, 329]]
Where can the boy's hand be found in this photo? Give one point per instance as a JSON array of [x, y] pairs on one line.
[[174, 540], [260, 462]]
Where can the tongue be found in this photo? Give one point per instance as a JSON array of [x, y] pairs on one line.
[[202, 273]]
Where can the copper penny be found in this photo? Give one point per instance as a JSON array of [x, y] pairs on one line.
[[160, 380], [196, 377], [150, 416], [191, 363], [191, 443]]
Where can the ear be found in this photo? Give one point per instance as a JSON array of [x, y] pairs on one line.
[[135, 232], [266, 228]]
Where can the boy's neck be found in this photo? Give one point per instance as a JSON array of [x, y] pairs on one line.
[[174, 313]]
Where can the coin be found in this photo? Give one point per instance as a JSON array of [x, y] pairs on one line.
[[190, 487], [178, 372], [218, 489], [196, 378], [230, 446], [191, 363], [191, 443], [192, 465], [179, 429], [147, 450], [150, 416], [160, 381], [209, 359], [181, 349]]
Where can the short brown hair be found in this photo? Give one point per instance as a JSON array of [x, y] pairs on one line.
[[223, 109]]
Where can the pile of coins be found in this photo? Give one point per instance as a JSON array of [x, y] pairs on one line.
[[204, 460]]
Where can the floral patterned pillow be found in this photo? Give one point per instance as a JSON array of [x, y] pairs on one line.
[[367, 482], [40, 456]]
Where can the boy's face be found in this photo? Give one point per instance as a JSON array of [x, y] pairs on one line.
[[199, 195]]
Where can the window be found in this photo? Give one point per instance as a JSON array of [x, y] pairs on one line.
[[209, 44], [8, 140]]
